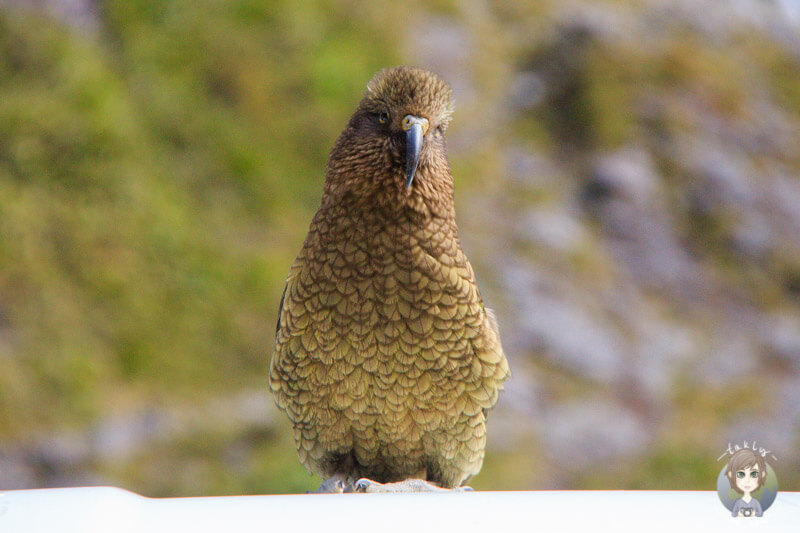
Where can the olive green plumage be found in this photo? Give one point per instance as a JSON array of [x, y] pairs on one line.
[[386, 359]]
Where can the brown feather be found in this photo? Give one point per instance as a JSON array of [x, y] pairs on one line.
[[386, 359]]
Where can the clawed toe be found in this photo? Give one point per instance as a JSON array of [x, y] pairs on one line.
[[337, 485], [408, 485], [332, 485], [366, 485]]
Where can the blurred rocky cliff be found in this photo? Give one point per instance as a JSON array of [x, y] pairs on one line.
[[628, 182]]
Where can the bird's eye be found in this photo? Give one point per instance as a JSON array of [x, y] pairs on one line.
[[383, 117]]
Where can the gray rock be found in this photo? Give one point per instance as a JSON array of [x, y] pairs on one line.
[[446, 48], [628, 173], [528, 168], [558, 325], [662, 350], [82, 14], [16, 471], [118, 438], [582, 435], [64, 449], [783, 194], [646, 244], [780, 336], [723, 179], [552, 227], [753, 237], [526, 91], [728, 357]]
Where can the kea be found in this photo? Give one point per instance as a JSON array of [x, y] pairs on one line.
[[386, 359]]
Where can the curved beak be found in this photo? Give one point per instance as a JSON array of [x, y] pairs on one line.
[[415, 128]]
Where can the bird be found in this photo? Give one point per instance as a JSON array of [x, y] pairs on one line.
[[386, 360]]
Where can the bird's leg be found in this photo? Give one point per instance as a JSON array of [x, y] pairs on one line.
[[407, 485], [336, 484]]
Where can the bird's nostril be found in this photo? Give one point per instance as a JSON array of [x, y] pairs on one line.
[[409, 121]]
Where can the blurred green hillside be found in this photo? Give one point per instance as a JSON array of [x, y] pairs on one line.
[[156, 182], [629, 169], [156, 179]]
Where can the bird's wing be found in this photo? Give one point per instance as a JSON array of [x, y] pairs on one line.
[[290, 317], [280, 309], [492, 353], [492, 361]]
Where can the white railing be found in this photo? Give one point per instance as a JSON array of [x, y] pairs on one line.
[[112, 510]]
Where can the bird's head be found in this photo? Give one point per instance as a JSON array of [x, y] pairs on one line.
[[395, 139]]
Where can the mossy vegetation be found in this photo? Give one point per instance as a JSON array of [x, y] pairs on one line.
[[158, 174], [156, 180]]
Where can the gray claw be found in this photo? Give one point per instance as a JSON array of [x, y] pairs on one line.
[[363, 485], [332, 485]]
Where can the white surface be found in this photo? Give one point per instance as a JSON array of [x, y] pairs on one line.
[[106, 509]]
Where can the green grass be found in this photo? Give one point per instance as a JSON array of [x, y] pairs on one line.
[[157, 179]]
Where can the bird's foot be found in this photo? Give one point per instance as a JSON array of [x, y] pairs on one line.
[[409, 485], [336, 484]]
